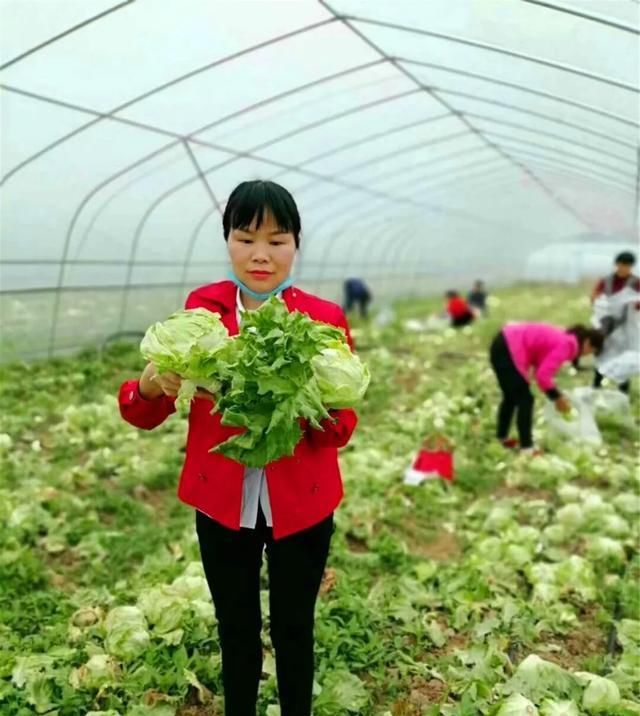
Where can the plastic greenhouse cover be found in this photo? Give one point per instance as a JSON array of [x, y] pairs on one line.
[[425, 142]]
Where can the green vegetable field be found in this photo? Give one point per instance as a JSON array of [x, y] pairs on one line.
[[512, 591]]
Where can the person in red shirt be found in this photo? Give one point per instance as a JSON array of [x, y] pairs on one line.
[[458, 310], [286, 507], [623, 277]]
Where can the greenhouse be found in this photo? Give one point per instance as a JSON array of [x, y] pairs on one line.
[[277, 219]]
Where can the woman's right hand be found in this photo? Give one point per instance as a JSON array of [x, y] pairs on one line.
[[153, 384], [563, 405]]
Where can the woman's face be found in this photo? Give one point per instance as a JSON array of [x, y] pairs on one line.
[[623, 270], [587, 348], [261, 258]]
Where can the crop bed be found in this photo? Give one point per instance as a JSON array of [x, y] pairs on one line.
[[438, 599]]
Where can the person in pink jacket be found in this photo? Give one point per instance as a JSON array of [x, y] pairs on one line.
[[522, 349]]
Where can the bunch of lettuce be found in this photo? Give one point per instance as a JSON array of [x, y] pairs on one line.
[[282, 369], [186, 344]]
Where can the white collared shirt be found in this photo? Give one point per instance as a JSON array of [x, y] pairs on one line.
[[255, 490]]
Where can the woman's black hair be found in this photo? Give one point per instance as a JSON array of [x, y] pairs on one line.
[[626, 258], [584, 334], [451, 293], [252, 199]]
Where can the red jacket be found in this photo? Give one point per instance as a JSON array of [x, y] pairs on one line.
[[304, 489], [458, 308]]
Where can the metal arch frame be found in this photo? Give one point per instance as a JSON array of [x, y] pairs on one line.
[[248, 154], [548, 168], [234, 155], [165, 85], [570, 168], [160, 199], [347, 21], [487, 47], [522, 88], [372, 138], [436, 160], [487, 166], [584, 15], [602, 165], [593, 176], [350, 208], [297, 32], [450, 171], [411, 167], [65, 33], [274, 98], [459, 214], [202, 177], [480, 184], [191, 244], [88, 262], [177, 138], [348, 261], [560, 137], [403, 150], [522, 110], [426, 120], [112, 197], [262, 45], [223, 149], [562, 170], [284, 94], [558, 168]]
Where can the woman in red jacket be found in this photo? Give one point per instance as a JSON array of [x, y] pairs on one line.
[[458, 310], [287, 506]]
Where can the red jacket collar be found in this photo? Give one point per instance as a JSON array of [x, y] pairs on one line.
[[223, 295]]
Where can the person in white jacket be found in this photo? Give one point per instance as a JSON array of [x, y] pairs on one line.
[[616, 302]]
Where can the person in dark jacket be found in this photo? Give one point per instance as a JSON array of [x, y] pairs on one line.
[[477, 297], [356, 292]]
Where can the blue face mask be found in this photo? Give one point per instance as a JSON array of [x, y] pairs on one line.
[[254, 294]]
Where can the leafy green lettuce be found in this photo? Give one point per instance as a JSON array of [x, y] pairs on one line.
[[269, 381]]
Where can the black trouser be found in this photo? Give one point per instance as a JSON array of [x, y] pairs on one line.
[[361, 301], [232, 561], [464, 320], [516, 394], [598, 378]]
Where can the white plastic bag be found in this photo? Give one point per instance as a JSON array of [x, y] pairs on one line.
[[621, 367], [620, 359], [583, 428]]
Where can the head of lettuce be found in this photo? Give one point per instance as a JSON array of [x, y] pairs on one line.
[[186, 344]]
